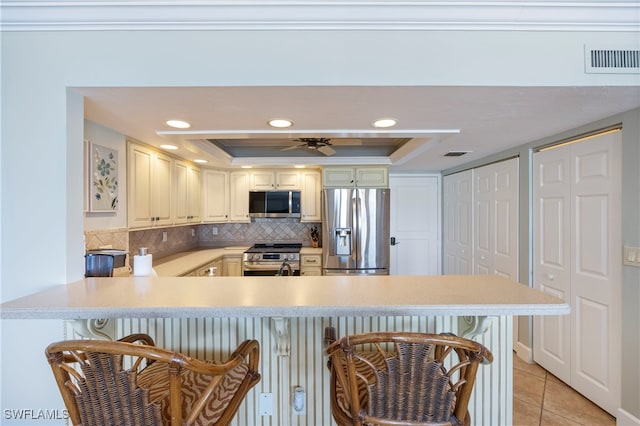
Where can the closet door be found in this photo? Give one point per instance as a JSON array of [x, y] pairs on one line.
[[496, 219], [458, 223], [552, 257], [577, 256]]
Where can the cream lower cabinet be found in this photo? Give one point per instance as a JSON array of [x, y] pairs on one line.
[[232, 266], [150, 179], [310, 264]]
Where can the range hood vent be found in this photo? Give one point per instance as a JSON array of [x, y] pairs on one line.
[[612, 61]]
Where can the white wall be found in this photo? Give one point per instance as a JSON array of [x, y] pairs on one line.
[[42, 124]]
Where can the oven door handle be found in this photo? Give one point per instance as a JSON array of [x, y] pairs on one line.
[[269, 267]]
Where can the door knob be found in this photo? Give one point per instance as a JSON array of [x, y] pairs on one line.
[[393, 241]]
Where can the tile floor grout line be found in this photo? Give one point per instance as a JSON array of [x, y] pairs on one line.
[[544, 390]]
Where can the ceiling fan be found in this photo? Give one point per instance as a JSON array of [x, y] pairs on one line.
[[322, 145]]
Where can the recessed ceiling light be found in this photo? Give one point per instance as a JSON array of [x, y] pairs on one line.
[[198, 160], [169, 147], [280, 123], [385, 122], [299, 167], [178, 124]]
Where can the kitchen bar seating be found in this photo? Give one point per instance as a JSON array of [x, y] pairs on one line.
[[396, 378], [133, 382]]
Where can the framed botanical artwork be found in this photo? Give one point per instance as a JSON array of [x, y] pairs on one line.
[[103, 178]]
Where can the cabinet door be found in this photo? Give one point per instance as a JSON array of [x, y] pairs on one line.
[[239, 197], [216, 196], [263, 180], [342, 177], [311, 209], [162, 182], [194, 195], [372, 177], [232, 266], [287, 179], [139, 197], [180, 193], [150, 183]]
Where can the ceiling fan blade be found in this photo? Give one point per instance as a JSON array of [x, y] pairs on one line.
[[289, 148], [346, 141], [326, 150]]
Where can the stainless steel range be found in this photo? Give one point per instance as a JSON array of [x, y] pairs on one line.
[[272, 259]]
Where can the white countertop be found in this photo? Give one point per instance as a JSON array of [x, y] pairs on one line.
[[182, 263], [311, 296]]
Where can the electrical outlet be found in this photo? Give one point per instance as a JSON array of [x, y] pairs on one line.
[[265, 405], [631, 256], [214, 231], [193, 232], [299, 401], [164, 236]]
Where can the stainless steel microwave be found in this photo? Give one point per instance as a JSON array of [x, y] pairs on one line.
[[274, 204]]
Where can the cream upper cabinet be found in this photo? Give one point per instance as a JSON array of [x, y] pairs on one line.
[[149, 176], [215, 200], [266, 180], [361, 177], [311, 202], [187, 197], [239, 197]]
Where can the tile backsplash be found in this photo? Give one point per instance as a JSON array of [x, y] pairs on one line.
[[190, 237], [258, 231]]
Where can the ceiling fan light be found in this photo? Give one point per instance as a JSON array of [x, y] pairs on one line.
[[385, 122], [280, 123], [178, 124]]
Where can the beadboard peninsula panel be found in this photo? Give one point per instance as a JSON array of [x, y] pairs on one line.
[[305, 366]]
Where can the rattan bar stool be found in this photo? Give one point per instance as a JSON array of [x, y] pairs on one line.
[[133, 382], [398, 378]]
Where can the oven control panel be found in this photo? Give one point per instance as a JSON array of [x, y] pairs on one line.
[[271, 257]]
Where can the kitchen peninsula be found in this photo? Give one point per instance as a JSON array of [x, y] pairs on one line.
[[288, 316]]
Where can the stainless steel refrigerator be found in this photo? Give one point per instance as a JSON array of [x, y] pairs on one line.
[[355, 231]]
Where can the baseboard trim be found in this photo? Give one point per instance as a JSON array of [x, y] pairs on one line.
[[524, 352], [624, 418]]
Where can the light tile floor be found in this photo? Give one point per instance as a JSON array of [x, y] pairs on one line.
[[541, 399]]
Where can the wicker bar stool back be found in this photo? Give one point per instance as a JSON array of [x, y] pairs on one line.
[[399, 378], [133, 382]]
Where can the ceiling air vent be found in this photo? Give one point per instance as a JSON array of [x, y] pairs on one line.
[[612, 61], [456, 153]]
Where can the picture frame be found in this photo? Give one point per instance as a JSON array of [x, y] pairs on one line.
[[103, 178]]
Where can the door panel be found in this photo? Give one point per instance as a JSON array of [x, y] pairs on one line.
[[415, 224], [458, 225], [577, 256], [552, 248]]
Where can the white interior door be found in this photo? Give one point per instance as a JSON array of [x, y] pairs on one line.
[[552, 257], [496, 219], [597, 269], [458, 223], [415, 225], [578, 257]]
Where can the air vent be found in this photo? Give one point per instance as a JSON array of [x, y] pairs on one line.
[[456, 153], [612, 61]]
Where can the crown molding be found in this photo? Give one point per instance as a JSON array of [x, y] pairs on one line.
[[470, 15]]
